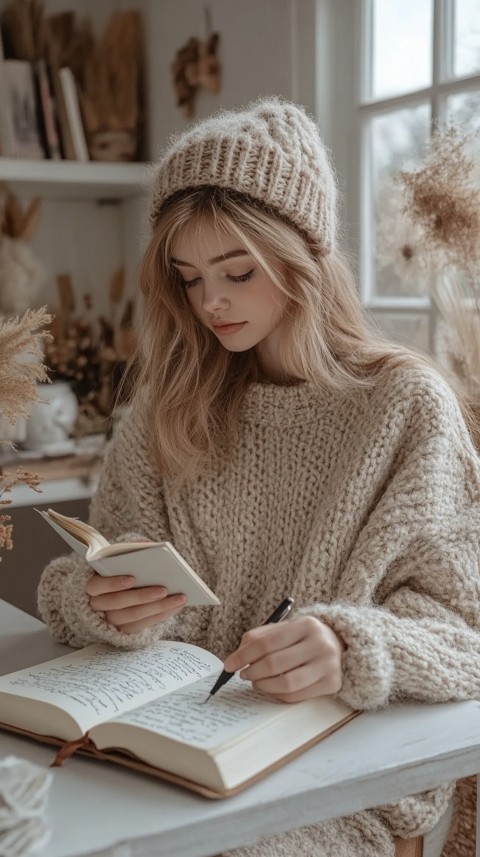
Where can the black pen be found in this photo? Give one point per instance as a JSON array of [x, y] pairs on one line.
[[281, 611]]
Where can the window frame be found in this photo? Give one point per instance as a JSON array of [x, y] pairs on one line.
[[442, 86]]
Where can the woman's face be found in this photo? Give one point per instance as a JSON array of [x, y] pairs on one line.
[[229, 292]]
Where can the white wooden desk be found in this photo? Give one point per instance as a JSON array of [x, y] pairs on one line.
[[99, 809]]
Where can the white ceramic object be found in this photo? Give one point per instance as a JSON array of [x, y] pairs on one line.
[[14, 432], [51, 421]]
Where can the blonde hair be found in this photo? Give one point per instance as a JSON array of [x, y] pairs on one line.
[[195, 386]]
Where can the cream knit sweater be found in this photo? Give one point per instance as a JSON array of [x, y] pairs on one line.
[[367, 513]]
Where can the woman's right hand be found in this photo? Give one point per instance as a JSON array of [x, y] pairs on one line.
[[131, 610]]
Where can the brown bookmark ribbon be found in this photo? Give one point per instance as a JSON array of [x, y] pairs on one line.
[[68, 749]]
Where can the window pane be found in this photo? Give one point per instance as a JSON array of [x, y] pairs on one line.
[[398, 141], [402, 46], [464, 109], [408, 329], [466, 37]]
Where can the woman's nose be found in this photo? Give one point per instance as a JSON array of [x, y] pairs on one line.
[[213, 298]]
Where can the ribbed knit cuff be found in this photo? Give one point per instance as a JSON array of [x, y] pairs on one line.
[[367, 665], [64, 605]]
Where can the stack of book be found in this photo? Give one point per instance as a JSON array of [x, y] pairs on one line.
[[40, 115]]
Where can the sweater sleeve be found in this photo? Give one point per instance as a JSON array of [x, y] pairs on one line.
[[418, 635], [126, 485]]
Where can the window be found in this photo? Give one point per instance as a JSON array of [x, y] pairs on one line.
[[420, 65]]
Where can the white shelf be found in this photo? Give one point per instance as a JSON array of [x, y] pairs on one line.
[[76, 180], [54, 491]]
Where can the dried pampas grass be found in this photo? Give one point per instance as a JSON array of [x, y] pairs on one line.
[[441, 199], [441, 202], [7, 481], [21, 364], [21, 368], [112, 77], [69, 42]]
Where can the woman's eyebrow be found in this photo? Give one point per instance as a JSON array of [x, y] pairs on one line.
[[223, 256]]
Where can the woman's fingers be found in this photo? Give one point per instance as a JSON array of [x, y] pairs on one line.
[[139, 612], [261, 641], [149, 621], [98, 585], [281, 661], [127, 598], [301, 683], [269, 639], [295, 660], [131, 609]]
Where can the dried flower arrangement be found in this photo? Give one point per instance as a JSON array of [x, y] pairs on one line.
[[439, 207], [196, 64], [442, 199], [23, 29], [21, 368], [112, 89], [91, 352]]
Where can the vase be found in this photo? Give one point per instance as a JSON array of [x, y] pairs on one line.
[[52, 419]]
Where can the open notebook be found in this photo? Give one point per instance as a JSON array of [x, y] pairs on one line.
[[147, 710]]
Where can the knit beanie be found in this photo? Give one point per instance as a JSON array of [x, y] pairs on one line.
[[271, 151]]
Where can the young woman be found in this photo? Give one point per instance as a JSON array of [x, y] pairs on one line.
[[285, 449]]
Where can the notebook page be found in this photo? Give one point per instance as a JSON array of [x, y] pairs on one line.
[[186, 717], [100, 682]]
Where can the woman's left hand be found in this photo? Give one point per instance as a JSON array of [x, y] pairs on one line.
[[293, 660]]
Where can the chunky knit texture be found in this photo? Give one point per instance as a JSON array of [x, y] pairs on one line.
[[366, 511], [272, 151]]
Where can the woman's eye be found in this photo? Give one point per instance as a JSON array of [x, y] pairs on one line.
[[187, 284], [242, 278]]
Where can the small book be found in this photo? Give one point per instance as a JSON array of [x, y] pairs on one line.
[[152, 563], [49, 128], [148, 710], [20, 129], [66, 139], [72, 107]]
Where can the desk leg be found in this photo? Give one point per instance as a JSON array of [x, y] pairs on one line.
[[477, 838]]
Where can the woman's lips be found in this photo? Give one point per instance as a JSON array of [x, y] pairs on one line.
[[225, 329]]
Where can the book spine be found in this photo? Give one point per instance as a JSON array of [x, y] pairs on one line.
[[63, 121], [72, 105], [51, 141]]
